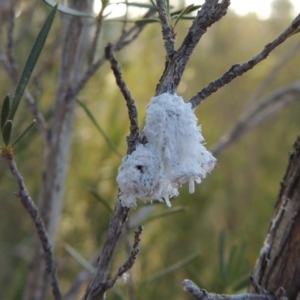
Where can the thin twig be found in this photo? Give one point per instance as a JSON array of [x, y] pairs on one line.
[[210, 12], [167, 31], [273, 73], [38, 222], [99, 21], [240, 69], [259, 113], [125, 39], [258, 289], [128, 264], [10, 42], [132, 111], [97, 287], [201, 294]]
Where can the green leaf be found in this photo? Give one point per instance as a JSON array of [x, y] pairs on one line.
[[31, 61], [23, 133], [166, 213], [172, 268], [79, 258], [69, 11], [153, 3], [168, 7], [136, 4], [231, 262], [5, 111], [182, 13], [147, 21], [6, 132], [97, 196], [191, 8], [92, 118], [222, 265], [240, 284]]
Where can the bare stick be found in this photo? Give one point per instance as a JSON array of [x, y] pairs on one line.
[[132, 111], [10, 42], [263, 110], [201, 294], [167, 31], [240, 69], [210, 12], [99, 21], [125, 39], [38, 222], [128, 264], [258, 289], [273, 73]]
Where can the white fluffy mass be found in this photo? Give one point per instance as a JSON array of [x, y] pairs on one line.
[[173, 156]]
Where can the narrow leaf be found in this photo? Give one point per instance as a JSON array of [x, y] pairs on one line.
[[222, 257], [240, 259], [240, 284], [69, 11], [231, 263], [97, 196], [79, 258], [168, 7], [153, 3], [31, 61], [5, 111], [172, 268], [183, 12], [23, 133], [185, 18], [166, 213], [137, 4], [191, 8], [147, 21], [92, 118], [6, 132]]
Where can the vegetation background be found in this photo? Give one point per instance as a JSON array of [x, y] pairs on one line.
[[235, 203]]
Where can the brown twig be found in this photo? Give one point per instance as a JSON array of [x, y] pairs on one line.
[[201, 294], [128, 264], [38, 222], [210, 12], [273, 73], [258, 289], [10, 42], [97, 287], [240, 69], [125, 39], [263, 110], [132, 111], [167, 31]]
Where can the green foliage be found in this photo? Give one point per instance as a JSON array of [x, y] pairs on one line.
[[69, 11], [101, 131], [30, 63], [6, 132], [26, 130], [5, 111]]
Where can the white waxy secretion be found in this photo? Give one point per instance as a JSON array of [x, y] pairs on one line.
[[173, 156]]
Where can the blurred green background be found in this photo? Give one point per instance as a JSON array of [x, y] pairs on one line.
[[215, 236]]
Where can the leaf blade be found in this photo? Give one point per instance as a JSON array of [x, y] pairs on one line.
[[31, 61], [103, 133], [23, 133], [6, 132], [5, 111]]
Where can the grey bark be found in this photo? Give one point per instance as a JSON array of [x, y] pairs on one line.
[[279, 261], [57, 153]]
